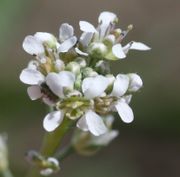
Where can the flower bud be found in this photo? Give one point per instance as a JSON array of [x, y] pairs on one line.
[[102, 67], [88, 72], [81, 61], [97, 50], [3, 153], [135, 82], [73, 67], [117, 32], [47, 166], [59, 65], [33, 64], [109, 40]]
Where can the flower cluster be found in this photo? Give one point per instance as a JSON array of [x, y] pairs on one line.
[[73, 75]]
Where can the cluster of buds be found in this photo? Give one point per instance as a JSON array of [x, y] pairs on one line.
[[47, 166], [73, 77]]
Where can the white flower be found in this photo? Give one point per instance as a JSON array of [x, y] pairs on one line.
[[34, 44], [66, 37], [102, 33], [91, 87]]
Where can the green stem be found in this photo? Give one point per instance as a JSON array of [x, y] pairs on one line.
[[6, 173], [53, 140], [65, 153], [51, 143]]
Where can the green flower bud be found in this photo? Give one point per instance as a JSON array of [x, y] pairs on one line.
[[88, 72], [102, 67], [97, 49], [81, 61], [73, 67]]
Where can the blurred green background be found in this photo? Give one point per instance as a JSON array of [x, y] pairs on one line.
[[150, 146]]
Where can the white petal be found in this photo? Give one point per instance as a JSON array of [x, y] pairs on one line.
[[82, 124], [34, 92], [80, 52], [52, 120], [118, 51], [66, 79], [139, 46], [127, 98], [135, 46], [87, 27], [57, 82], [33, 46], [121, 85], [48, 101], [67, 44], [105, 139], [86, 38], [66, 31], [95, 123], [45, 37], [94, 86], [107, 17], [53, 160], [46, 172], [31, 77], [125, 112], [33, 64], [135, 82]]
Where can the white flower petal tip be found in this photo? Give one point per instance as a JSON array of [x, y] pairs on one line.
[[87, 27], [46, 172], [31, 77], [67, 45], [52, 121], [139, 46], [135, 82], [121, 85], [94, 86], [32, 45], [44, 37], [118, 52], [125, 112], [107, 17], [80, 52], [66, 31], [106, 138], [95, 124], [34, 92]]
